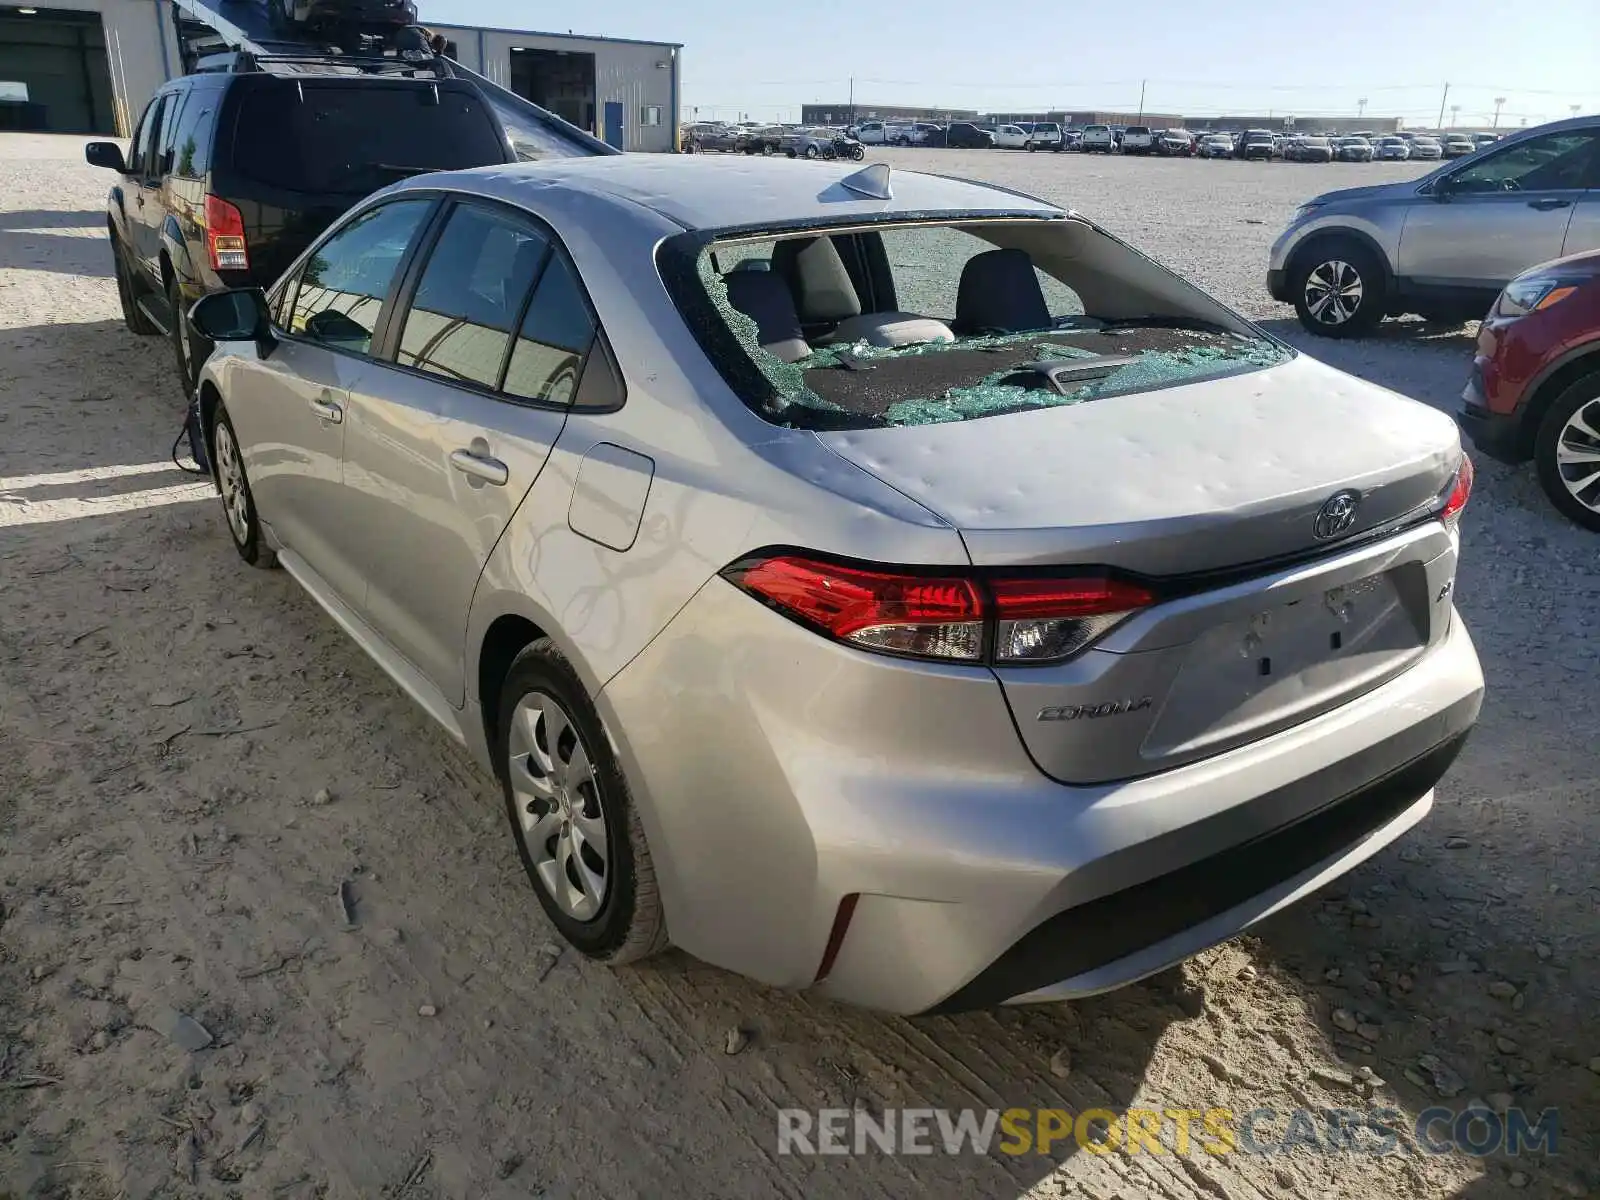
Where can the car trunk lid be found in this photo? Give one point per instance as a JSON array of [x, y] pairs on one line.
[[1219, 494]]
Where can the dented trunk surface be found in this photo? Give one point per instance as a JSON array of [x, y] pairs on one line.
[[1189, 478], [1199, 488]]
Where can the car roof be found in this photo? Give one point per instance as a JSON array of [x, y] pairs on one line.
[[723, 193]]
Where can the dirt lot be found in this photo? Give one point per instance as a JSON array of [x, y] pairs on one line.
[[194, 762]]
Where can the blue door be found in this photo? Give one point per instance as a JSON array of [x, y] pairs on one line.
[[614, 124]]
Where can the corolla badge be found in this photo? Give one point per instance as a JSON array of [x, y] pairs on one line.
[[1111, 708], [1337, 514]]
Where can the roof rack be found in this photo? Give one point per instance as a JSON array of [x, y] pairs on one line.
[[238, 36]]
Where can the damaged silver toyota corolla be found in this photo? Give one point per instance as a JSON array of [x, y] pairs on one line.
[[893, 586]]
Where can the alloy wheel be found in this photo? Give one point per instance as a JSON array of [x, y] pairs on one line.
[[230, 480], [1333, 292], [558, 805], [1578, 455]]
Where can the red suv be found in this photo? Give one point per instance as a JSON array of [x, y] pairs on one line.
[[1535, 386]]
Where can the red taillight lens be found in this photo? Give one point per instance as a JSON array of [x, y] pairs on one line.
[[225, 236], [1040, 620], [944, 617], [1458, 495], [901, 614]]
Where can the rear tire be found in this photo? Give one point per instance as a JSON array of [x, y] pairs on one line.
[[132, 315], [190, 354], [564, 792], [1338, 289], [1567, 436]]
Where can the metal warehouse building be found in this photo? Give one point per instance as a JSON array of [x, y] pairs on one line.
[[90, 66]]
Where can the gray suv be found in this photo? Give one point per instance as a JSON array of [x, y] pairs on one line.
[[1444, 245]]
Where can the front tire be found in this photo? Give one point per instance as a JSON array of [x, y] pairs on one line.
[[238, 502], [1338, 289], [812, 152], [1566, 452], [132, 315], [573, 820]]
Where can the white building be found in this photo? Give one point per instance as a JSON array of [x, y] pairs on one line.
[[90, 66]]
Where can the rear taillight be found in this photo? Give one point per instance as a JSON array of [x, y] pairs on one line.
[[1003, 619], [922, 616], [1042, 620], [1458, 493], [225, 236]]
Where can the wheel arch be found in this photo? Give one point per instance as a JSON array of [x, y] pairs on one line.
[[1555, 379], [210, 402], [1313, 242]]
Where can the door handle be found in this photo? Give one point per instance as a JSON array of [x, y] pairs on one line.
[[1547, 203], [326, 408], [480, 466]]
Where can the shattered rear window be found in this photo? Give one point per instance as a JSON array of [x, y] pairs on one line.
[[925, 354]]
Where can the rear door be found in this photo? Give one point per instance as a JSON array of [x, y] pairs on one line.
[[301, 151], [290, 409], [1489, 220], [1583, 231], [488, 348]]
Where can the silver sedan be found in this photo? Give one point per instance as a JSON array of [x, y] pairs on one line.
[[871, 582]]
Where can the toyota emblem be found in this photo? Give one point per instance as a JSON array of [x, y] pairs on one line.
[[1337, 514]]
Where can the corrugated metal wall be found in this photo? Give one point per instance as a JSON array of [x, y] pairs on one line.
[[639, 75]]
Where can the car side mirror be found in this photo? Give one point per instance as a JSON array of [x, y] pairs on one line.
[[107, 155], [237, 315]]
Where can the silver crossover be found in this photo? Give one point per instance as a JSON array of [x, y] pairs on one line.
[[867, 581], [1441, 246]]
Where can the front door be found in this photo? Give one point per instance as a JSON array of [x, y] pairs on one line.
[[292, 409], [142, 203], [443, 445], [614, 130], [1497, 216]]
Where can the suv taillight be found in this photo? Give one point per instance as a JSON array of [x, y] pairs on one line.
[[225, 236], [1000, 619]]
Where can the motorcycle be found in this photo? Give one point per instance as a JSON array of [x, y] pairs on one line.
[[845, 147]]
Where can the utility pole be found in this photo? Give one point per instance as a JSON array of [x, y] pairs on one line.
[[1361, 109], [1455, 116], [1499, 103], [1140, 121], [1574, 108], [852, 99], [1439, 124]]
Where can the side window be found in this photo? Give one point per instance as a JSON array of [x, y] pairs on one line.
[[191, 136], [466, 305], [166, 153], [342, 286], [1555, 161], [141, 157], [554, 339]]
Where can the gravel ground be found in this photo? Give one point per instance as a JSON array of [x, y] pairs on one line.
[[195, 766]]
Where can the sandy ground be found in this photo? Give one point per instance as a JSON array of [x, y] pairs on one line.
[[168, 718]]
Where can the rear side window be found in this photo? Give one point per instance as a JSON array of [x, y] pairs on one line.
[[343, 284], [554, 339], [471, 291], [305, 136], [190, 140]]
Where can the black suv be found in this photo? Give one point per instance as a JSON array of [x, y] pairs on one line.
[[965, 135], [231, 175]]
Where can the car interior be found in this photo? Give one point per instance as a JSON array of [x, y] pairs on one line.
[[868, 319]]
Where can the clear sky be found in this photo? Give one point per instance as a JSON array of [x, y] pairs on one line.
[[1245, 57]]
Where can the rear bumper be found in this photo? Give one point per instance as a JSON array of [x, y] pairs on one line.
[[787, 773]]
